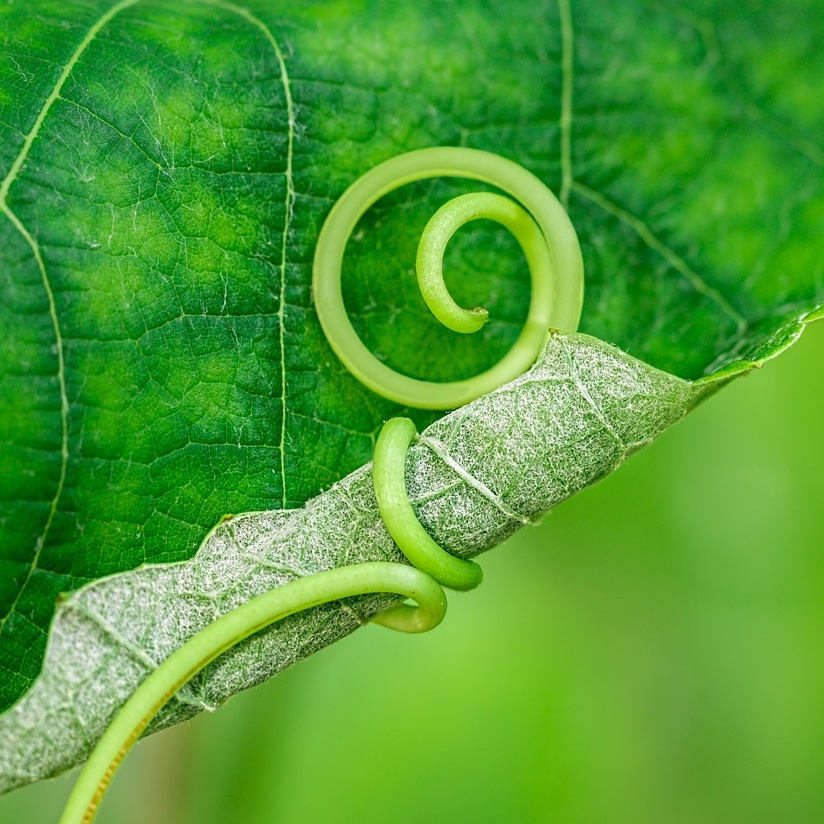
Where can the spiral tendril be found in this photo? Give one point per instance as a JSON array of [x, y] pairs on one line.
[[551, 248], [540, 225]]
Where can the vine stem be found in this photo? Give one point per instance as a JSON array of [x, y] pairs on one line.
[[419, 582], [541, 228]]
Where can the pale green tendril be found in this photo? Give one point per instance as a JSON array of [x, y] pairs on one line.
[[421, 582], [551, 248], [540, 225]]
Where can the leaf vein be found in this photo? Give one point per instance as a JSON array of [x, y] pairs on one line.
[[565, 123], [653, 242], [287, 222], [55, 94], [440, 450], [596, 409], [64, 407], [183, 695], [18, 224]]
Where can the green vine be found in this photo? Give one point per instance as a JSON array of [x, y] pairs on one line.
[[550, 246], [541, 227]]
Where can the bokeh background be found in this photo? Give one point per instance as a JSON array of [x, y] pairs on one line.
[[651, 653]]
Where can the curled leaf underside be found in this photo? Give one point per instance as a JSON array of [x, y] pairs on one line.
[[475, 476]]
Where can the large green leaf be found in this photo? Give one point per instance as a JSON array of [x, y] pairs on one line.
[[166, 168]]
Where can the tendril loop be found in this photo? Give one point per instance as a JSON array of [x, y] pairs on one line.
[[432, 568], [540, 225]]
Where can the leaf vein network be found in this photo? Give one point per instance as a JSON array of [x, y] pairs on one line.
[[5, 186], [642, 229], [478, 485]]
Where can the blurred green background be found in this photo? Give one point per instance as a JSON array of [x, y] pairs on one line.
[[652, 653]]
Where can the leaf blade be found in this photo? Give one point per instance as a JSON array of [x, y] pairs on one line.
[[192, 316]]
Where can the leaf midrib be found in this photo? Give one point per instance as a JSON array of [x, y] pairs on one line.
[[287, 220]]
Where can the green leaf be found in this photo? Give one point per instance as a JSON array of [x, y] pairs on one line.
[[166, 168]]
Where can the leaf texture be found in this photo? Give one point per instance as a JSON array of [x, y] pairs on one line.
[[164, 170]]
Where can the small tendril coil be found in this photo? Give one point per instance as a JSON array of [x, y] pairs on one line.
[[540, 225], [551, 248]]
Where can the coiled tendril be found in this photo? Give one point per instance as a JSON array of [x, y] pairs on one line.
[[551, 249], [540, 225]]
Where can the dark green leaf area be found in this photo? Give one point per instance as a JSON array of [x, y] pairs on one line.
[[155, 195], [161, 363], [697, 175], [35, 48], [30, 437]]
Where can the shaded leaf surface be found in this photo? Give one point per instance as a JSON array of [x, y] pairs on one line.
[[165, 169]]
